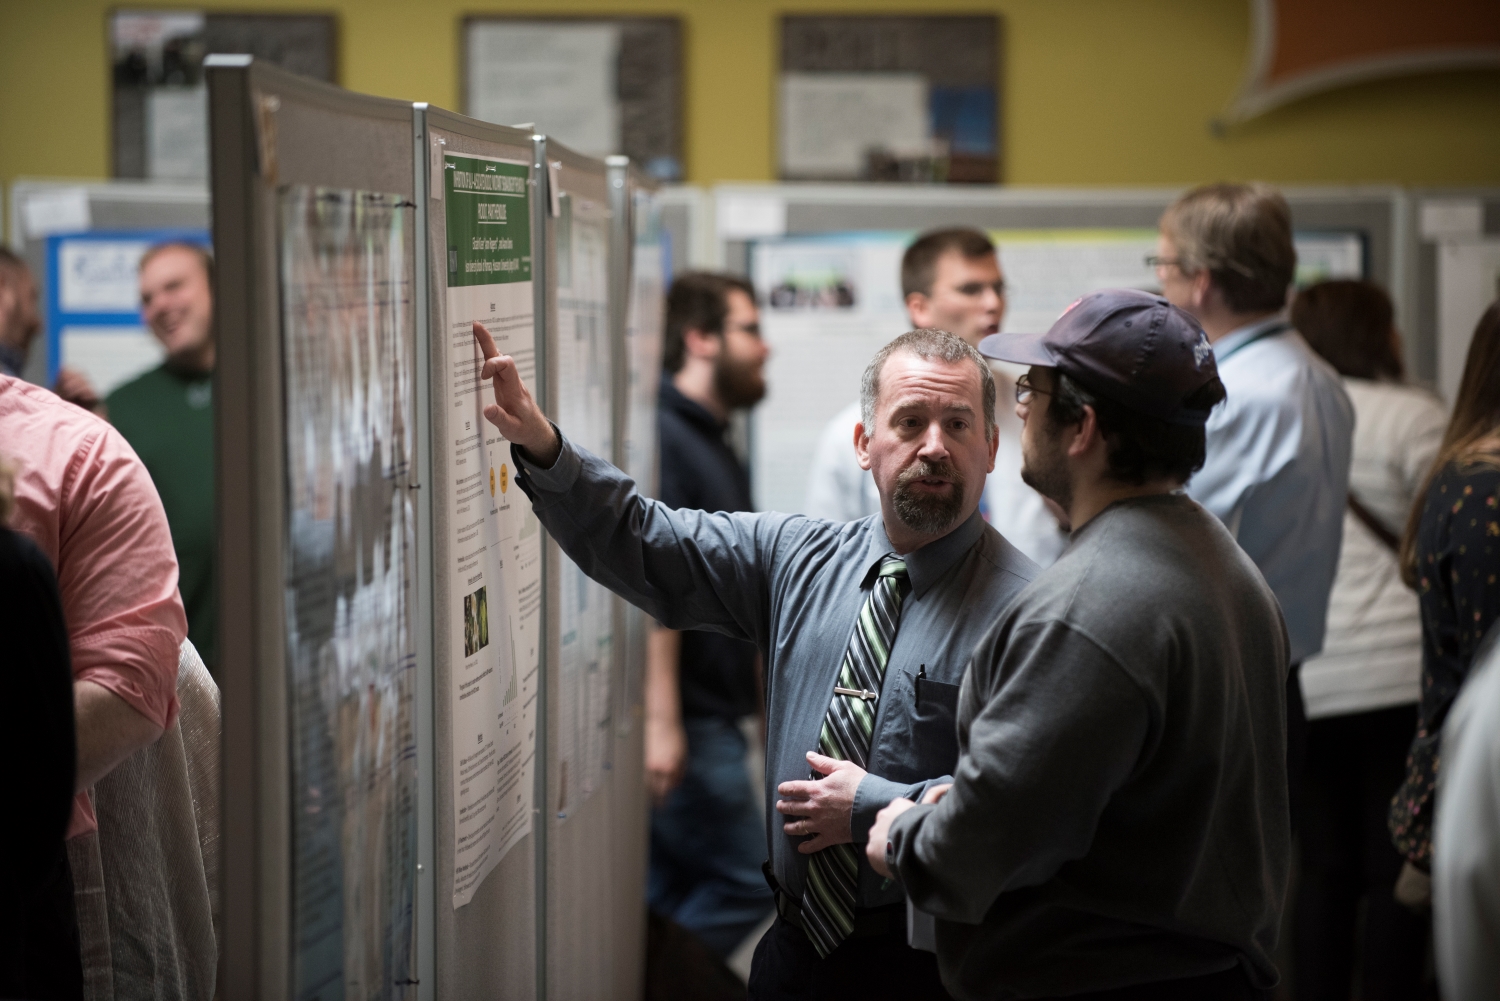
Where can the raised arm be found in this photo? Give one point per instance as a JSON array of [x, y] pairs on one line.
[[687, 569]]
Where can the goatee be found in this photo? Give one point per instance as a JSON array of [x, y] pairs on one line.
[[930, 514]]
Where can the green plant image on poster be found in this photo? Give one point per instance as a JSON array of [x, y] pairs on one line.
[[489, 221]]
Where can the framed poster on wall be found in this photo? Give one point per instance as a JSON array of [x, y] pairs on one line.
[[160, 101], [600, 86], [890, 98]]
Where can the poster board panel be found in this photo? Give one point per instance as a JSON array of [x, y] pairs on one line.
[[486, 946], [582, 792], [274, 132]]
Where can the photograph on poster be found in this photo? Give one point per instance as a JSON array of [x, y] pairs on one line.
[[476, 623]]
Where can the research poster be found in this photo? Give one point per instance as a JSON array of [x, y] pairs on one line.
[[832, 301], [494, 541], [586, 619], [348, 338]]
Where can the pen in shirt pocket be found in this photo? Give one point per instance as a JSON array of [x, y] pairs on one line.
[[921, 675]]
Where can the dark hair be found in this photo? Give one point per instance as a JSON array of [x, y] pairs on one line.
[[930, 344], [1240, 233], [919, 263], [1471, 429], [1139, 448], [1350, 324], [698, 300], [203, 254]]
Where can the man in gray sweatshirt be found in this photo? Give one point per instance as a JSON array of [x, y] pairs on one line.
[[1117, 825]]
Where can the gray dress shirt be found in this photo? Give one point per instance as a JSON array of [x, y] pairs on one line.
[[794, 586]]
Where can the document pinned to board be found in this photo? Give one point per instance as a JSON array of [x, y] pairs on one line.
[[830, 121]]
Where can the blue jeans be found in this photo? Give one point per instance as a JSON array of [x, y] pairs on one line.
[[708, 841]]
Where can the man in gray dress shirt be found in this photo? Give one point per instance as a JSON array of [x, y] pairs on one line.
[[923, 580], [1118, 826]]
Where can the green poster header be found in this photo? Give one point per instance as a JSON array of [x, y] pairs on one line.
[[489, 221]]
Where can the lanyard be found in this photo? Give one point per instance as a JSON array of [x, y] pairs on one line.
[[1271, 331]]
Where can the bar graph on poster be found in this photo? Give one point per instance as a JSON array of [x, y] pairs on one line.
[[830, 301], [493, 617]]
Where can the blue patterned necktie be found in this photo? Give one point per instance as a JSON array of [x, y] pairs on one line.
[[833, 873]]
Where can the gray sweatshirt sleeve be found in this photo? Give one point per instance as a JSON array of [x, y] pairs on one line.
[[875, 794], [688, 569], [1057, 733]]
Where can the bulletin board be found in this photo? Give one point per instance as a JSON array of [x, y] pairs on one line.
[[581, 789], [1455, 254], [92, 293], [429, 792], [326, 837], [484, 208]]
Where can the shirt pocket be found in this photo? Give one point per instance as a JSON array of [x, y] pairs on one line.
[[934, 728]]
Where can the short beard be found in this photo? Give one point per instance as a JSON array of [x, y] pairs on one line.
[[927, 514], [1048, 473], [739, 383]]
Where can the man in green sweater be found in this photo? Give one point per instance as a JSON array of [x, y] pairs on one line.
[[167, 416]]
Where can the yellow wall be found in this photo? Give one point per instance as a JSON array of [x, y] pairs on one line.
[[1094, 92]]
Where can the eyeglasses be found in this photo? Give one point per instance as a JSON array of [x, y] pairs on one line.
[[1025, 391], [1153, 261]]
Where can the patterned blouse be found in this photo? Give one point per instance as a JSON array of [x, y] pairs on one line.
[[1458, 540]]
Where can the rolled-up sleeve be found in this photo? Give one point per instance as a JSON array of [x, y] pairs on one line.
[[117, 574]]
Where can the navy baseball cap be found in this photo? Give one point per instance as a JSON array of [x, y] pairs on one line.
[[1128, 346]]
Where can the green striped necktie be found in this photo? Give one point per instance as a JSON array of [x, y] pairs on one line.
[[833, 873]]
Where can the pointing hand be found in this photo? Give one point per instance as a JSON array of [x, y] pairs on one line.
[[514, 411]]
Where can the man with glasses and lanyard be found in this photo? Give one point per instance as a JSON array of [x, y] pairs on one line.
[[1279, 449]]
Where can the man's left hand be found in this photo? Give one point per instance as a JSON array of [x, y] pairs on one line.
[[821, 808], [880, 833]]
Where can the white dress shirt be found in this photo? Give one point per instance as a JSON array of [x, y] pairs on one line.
[[1277, 470], [1372, 655], [839, 490]]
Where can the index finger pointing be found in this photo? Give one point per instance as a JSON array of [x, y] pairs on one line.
[[486, 342]]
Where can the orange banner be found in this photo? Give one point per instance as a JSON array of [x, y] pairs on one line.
[[1302, 47]]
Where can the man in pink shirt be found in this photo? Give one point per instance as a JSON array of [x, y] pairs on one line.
[[86, 500]]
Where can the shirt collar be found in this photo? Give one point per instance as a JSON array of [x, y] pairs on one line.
[[1240, 336], [672, 398], [928, 565]]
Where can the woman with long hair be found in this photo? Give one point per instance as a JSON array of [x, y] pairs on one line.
[[1451, 555], [1361, 692]]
